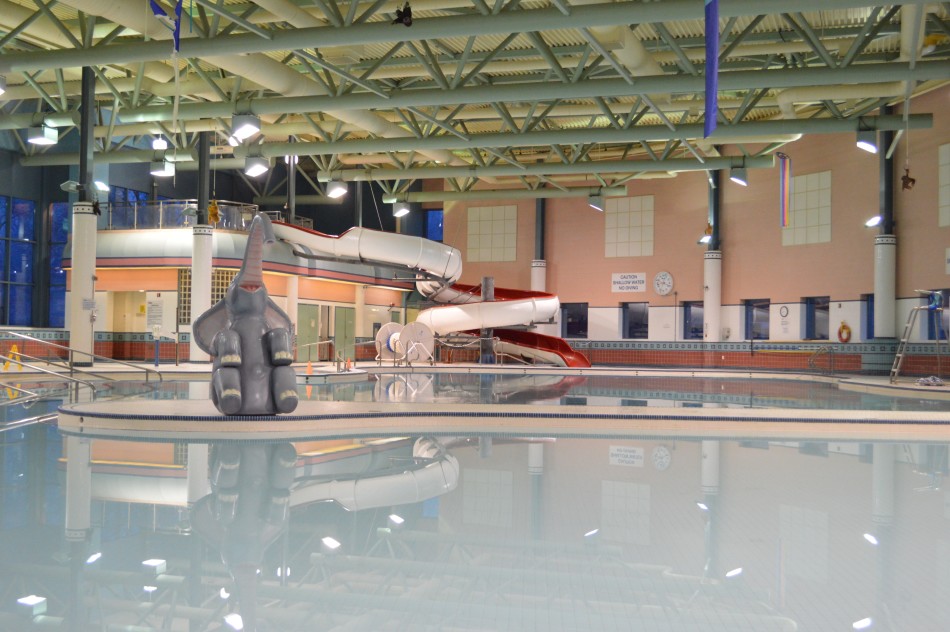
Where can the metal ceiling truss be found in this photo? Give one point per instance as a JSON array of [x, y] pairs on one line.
[[513, 92]]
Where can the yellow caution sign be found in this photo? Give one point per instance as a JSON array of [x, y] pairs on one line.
[[15, 357]]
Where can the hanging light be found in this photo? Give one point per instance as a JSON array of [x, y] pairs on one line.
[[43, 135], [400, 209], [596, 202], [336, 188], [243, 126], [233, 142], [159, 143], [739, 175], [101, 186], [162, 168], [3, 84], [867, 140], [874, 221], [255, 166]]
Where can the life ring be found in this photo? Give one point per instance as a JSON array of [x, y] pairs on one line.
[[844, 333]]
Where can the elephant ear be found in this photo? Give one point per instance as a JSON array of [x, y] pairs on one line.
[[275, 316], [208, 325]]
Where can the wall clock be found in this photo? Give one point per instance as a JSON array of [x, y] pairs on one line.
[[662, 457], [663, 283]]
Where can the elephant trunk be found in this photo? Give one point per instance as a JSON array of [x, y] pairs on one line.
[[251, 276]]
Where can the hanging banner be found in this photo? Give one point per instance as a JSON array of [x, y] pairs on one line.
[[785, 187]]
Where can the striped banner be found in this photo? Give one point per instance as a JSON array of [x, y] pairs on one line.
[[785, 187], [712, 67]]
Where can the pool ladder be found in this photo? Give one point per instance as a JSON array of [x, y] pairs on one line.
[[908, 329]]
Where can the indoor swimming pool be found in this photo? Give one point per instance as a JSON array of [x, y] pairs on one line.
[[463, 501]]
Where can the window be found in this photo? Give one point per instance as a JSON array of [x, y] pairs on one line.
[[492, 233], [573, 320], [692, 320], [938, 321], [867, 304], [17, 246], [636, 320], [59, 233], [434, 225], [810, 212], [628, 226], [816, 317], [756, 318]]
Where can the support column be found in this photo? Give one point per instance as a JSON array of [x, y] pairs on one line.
[[712, 296], [536, 472], [885, 286], [202, 246], [82, 283], [78, 522], [199, 484], [359, 321], [710, 488], [293, 303], [292, 189], [487, 347], [883, 492]]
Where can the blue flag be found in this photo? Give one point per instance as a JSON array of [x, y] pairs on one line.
[[712, 67], [174, 25]]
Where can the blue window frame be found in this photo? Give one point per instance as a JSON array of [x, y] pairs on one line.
[[757, 318], [59, 234], [867, 303], [816, 317], [938, 321], [693, 320], [636, 320], [434, 225], [17, 253]]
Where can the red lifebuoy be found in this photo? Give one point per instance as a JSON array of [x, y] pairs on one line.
[[844, 333]]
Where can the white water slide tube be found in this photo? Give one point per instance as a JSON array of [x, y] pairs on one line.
[[463, 311], [435, 478]]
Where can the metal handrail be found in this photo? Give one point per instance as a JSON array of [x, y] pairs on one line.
[[29, 397], [47, 371], [84, 353], [828, 350], [63, 365], [13, 425]]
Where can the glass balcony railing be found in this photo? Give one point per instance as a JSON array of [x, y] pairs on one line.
[[172, 214]]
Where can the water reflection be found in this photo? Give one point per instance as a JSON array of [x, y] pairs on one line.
[[476, 533]]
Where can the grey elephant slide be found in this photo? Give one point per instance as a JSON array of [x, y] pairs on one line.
[[248, 337]]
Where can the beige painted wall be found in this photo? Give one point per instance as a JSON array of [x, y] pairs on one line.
[[755, 264]]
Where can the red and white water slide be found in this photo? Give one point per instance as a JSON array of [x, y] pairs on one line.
[[462, 307]]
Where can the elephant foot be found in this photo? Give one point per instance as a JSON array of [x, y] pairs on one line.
[[286, 401], [229, 402]]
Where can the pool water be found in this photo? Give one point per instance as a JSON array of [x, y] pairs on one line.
[[480, 532]]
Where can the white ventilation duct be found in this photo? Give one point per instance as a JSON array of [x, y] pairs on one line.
[[813, 94]]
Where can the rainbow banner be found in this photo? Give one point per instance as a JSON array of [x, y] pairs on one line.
[[712, 67], [785, 187]]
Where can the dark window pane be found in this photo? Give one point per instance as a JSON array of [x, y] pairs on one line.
[[434, 225], [4, 207], [57, 306], [141, 196], [21, 305], [57, 276], [574, 320], [21, 220], [3, 259], [21, 262], [131, 198], [693, 320], [60, 223], [636, 320]]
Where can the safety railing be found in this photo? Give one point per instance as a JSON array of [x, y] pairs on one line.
[[825, 351], [39, 369], [29, 421], [172, 214], [71, 353]]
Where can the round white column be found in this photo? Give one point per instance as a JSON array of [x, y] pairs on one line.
[[882, 483], [712, 296], [710, 467], [199, 484], [202, 248], [78, 488], [539, 275], [885, 286], [82, 282]]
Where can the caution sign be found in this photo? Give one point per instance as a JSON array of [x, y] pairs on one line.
[[14, 357]]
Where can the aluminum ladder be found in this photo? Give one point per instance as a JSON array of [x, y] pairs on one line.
[[908, 329]]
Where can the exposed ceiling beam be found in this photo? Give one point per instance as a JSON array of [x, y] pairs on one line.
[[593, 15]]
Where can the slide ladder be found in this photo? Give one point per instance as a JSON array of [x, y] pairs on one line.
[[934, 306]]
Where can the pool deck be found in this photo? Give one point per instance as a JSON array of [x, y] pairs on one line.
[[198, 420]]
